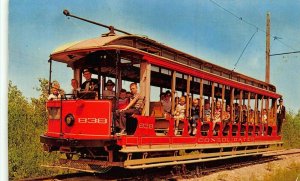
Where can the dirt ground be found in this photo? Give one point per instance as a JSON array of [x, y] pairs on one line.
[[254, 172]]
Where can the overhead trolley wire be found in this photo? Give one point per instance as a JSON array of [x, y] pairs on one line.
[[244, 49], [253, 25]]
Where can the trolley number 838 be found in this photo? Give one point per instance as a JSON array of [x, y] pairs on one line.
[[92, 120]]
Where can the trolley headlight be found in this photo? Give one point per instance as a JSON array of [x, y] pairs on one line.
[[69, 119]]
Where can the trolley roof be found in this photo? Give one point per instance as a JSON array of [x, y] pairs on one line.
[[71, 52]]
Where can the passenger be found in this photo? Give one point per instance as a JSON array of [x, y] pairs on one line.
[[167, 103], [207, 111], [244, 114], [217, 114], [128, 94], [123, 100], [75, 88], [251, 117], [236, 113], [226, 115], [55, 95], [109, 92], [195, 109], [133, 108], [179, 113], [280, 115], [264, 117], [90, 84], [258, 117]]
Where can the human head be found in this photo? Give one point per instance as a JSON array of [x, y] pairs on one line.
[[87, 74], [218, 104], [122, 94], [206, 104], [168, 94], [251, 111], [228, 108], [55, 88], [110, 85], [133, 88], [236, 106], [280, 101], [74, 83], [182, 100], [128, 94], [195, 102]]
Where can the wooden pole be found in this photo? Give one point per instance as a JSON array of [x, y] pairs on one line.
[[268, 49]]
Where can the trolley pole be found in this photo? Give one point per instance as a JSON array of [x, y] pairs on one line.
[[268, 49]]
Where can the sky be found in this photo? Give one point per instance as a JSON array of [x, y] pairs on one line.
[[214, 30]]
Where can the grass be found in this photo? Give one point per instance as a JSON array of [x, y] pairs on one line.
[[289, 173]]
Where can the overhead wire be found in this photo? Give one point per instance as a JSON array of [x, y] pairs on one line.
[[244, 49], [251, 24]]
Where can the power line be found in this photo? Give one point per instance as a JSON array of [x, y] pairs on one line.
[[251, 24], [244, 49], [284, 53]]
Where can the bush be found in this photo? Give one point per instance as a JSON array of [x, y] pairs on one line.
[[290, 130]]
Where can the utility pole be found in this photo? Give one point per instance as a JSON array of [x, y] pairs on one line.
[[268, 49]]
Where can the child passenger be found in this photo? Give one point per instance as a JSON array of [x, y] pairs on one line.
[[123, 100], [55, 95], [207, 111], [179, 112], [194, 117], [217, 114]]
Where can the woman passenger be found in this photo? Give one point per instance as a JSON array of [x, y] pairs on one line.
[[226, 115]]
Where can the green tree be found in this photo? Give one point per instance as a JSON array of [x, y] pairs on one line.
[[27, 120]]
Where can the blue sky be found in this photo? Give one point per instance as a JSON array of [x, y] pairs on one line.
[[200, 28]]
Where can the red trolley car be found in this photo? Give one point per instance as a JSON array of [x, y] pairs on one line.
[[85, 127]]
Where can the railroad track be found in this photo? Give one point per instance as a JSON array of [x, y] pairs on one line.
[[174, 172]]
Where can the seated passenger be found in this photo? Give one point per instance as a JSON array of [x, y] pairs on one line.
[[75, 88], [179, 113], [133, 108], [167, 103], [244, 114], [128, 94], [258, 117], [55, 95], [207, 111], [123, 100], [251, 117], [90, 84], [226, 115], [236, 113], [194, 117], [264, 117], [109, 92], [217, 114]]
